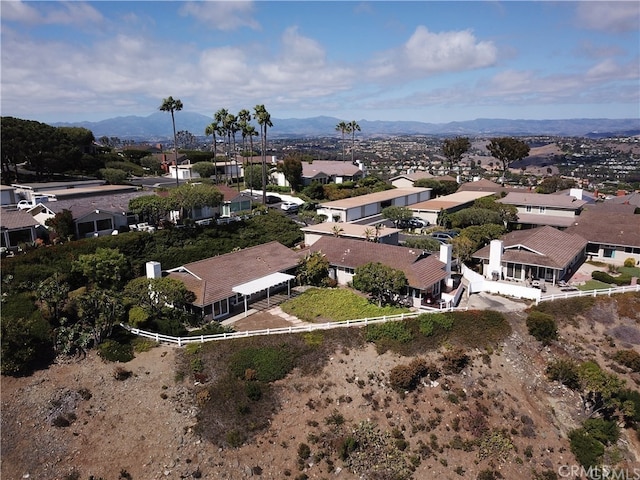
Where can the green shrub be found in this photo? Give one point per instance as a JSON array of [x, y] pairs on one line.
[[565, 372], [542, 327], [587, 450], [137, 316], [113, 351], [606, 278], [454, 360], [568, 308], [604, 431], [253, 391], [25, 345], [304, 451], [346, 447], [269, 363], [628, 358], [396, 331], [629, 262], [428, 321]]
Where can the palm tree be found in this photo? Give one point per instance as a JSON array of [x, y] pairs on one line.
[[212, 129], [342, 127], [234, 128], [353, 126], [244, 117], [337, 230], [171, 105], [264, 120], [220, 117]]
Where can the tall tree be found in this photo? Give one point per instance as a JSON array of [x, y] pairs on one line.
[[220, 118], [171, 105], [264, 120], [105, 269], [507, 150], [454, 148], [233, 128], [353, 128], [291, 167], [383, 283], [342, 127], [212, 129]]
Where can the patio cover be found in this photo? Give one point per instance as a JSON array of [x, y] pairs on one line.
[[260, 284]]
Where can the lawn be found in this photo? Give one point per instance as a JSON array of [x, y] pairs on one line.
[[631, 271], [594, 285], [322, 305]]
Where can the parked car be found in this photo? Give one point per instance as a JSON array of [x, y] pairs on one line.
[[414, 222], [444, 236], [289, 207], [273, 199]]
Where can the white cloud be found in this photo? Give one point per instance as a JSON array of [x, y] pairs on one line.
[[53, 13], [617, 17], [229, 15], [427, 53]]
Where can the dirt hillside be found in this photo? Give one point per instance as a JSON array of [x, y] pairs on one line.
[[81, 418]]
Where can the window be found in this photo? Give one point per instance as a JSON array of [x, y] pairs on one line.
[[105, 224], [609, 252], [528, 208], [542, 209], [220, 308], [84, 228]]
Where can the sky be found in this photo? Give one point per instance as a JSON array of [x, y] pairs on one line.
[[426, 61]]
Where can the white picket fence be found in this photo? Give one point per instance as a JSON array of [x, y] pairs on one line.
[[589, 293]]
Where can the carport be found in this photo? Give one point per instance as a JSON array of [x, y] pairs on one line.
[[261, 284]]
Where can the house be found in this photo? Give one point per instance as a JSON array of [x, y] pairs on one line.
[[27, 191], [431, 210], [409, 179], [356, 208], [484, 185], [7, 195], [16, 227], [536, 209], [624, 198], [544, 253], [611, 230], [233, 201], [228, 283], [92, 216], [313, 233], [324, 171], [427, 275]]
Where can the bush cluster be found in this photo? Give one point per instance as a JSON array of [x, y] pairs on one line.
[[395, 331], [407, 377], [114, 351], [542, 327], [604, 277], [270, 363], [628, 358]]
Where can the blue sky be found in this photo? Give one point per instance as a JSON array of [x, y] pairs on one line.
[[425, 61]]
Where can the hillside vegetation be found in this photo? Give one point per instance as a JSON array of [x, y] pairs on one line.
[[466, 395]]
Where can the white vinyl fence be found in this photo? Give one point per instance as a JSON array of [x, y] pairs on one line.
[[589, 293], [308, 327]]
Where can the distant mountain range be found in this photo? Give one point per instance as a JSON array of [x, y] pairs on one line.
[[157, 126]]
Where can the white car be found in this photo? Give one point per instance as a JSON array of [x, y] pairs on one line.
[[24, 205], [289, 206]]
